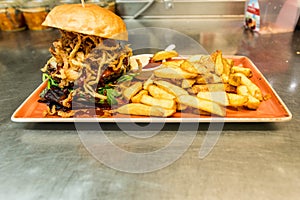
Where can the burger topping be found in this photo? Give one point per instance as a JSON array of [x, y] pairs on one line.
[[80, 66]]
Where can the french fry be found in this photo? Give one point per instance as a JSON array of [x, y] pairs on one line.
[[181, 107], [254, 90], [219, 64], [151, 101], [236, 100], [201, 69], [218, 97], [201, 79], [242, 90], [213, 88], [235, 79], [227, 65], [225, 78], [237, 69], [146, 84], [208, 62], [189, 67], [215, 81], [137, 98], [173, 63], [163, 55], [175, 73], [193, 67], [208, 78], [202, 104], [195, 58], [171, 88], [202, 63], [214, 55], [187, 83], [144, 110], [252, 102], [158, 92], [129, 92]]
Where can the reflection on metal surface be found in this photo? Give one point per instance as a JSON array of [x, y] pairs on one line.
[[132, 8], [212, 34], [169, 4], [180, 8], [222, 41]]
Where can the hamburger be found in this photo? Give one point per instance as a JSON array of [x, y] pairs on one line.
[[86, 61]]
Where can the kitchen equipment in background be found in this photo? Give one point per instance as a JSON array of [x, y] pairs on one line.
[[58, 2], [11, 18], [108, 4], [111, 5], [288, 15], [196, 9], [101, 3], [271, 16], [132, 8], [35, 12]]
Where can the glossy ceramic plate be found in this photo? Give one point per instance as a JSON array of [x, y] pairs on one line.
[[272, 110]]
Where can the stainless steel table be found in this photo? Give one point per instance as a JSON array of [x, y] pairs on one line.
[[249, 161]]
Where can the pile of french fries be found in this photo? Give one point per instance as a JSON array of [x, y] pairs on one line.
[[207, 84]]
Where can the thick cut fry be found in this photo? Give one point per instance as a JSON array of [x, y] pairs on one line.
[[219, 64], [201, 79], [158, 92], [137, 98], [165, 103], [236, 100], [237, 69], [148, 82], [208, 78], [144, 110], [235, 80], [215, 79], [163, 55], [189, 67], [202, 63], [201, 104], [171, 88], [132, 90], [181, 107], [173, 63], [227, 65], [242, 90], [207, 61], [201, 69], [199, 112], [193, 67], [225, 78], [214, 55], [252, 102], [254, 90], [218, 97], [187, 83], [175, 73], [213, 88], [195, 58]]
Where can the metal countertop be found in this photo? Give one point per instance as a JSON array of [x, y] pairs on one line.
[[249, 161]]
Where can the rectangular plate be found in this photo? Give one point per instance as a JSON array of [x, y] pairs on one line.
[[272, 110]]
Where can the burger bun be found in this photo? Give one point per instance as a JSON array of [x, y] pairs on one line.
[[89, 19]]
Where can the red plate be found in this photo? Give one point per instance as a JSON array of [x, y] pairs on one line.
[[272, 110]]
